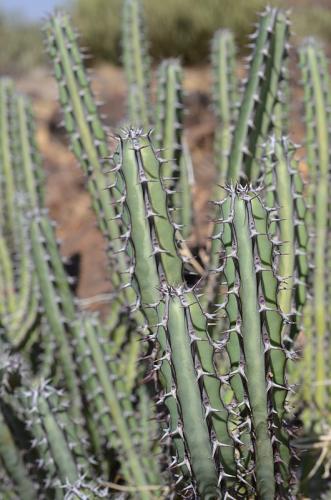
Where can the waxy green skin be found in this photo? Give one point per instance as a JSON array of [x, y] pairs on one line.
[[34, 177], [62, 449], [7, 164], [231, 309], [176, 172], [55, 291], [110, 393], [89, 144], [146, 278], [260, 95], [285, 190], [254, 354], [147, 205], [136, 64], [12, 461], [19, 301], [252, 299], [317, 99], [252, 122], [274, 324], [59, 448], [225, 98], [51, 300], [287, 213]]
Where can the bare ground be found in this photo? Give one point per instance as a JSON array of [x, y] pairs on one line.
[[67, 198]]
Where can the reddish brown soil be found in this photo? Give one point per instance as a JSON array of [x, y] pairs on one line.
[[67, 199]]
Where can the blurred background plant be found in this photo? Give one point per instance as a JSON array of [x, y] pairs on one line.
[[175, 28], [184, 29], [22, 41]]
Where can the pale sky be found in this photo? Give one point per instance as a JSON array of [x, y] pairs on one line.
[[31, 9]]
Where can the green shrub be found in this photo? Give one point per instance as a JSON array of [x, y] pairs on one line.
[[175, 28], [315, 22], [23, 42]]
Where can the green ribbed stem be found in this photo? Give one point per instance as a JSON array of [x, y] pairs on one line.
[[7, 166], [284, 198], [173, 269], [51, 301], [274, 324], [225, 98], [146, 278], [115, 410], [147, 203], [136, 64], [12, 461], [21, 296], [253, 338], [260, 95], [29, 155], [57, 437], [89, 143], [188, 394], [253, 348], [169, 139], [318, 119], [231, 306]]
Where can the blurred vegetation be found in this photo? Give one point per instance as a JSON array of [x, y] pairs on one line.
[[175, 28], [313, 21], [21, 44], [184, 28]]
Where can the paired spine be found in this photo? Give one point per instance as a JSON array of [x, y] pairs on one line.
[[317, 98], [225, 98], [89, 144], [136, 62], [284, 199], [82, 340], [167, 302], [19, 309], [253, 338], [255, 117], [169, 138]]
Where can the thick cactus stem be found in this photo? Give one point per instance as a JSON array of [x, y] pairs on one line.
[[317, 98], [287, 215], [46, 411], [13, 463], [175, 173], [225, 97], [156, 255], [56, 301], [254, 342], [260, 95], [89, 144], [97, 369], [136, 64], [19, 310]]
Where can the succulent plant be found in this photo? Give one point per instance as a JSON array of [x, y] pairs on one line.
[[244, 122], [19, 302], [225, 97], [183, 391], [316, 83], [266, 71], [177, 173]]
